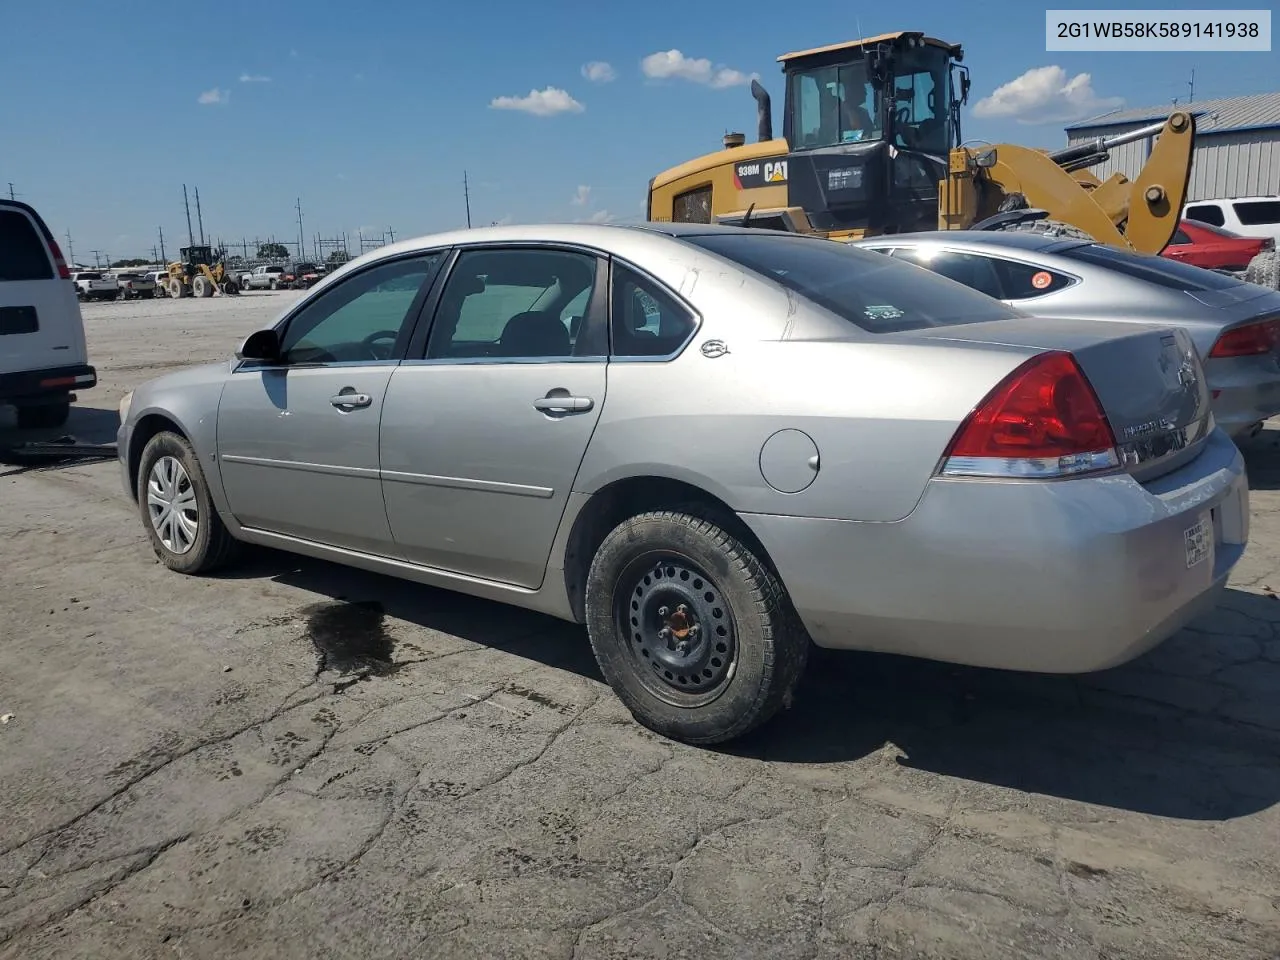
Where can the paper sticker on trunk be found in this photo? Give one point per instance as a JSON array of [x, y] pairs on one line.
[[1198, 540]]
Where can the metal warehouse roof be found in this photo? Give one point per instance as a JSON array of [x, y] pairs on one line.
[[1212, 116]]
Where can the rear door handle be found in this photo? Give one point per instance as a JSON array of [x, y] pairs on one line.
[[351, 400], [570, 404]]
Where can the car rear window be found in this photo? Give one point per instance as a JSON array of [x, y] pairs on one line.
[[1158, 270], [871, 291], [22, 253], [1255, 213]]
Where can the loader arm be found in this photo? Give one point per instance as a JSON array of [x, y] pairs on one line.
[[1157, 196]]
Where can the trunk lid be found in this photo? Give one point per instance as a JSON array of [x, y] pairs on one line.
[[1149, 380]]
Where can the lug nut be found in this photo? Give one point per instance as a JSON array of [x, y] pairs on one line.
[[663, 611]]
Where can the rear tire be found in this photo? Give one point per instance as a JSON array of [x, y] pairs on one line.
[[44, 416], [185, 530], [679, 570], [177, 289], [1264, 270]]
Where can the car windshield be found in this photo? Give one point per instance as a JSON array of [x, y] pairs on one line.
[[871, 291], [1157, 270]]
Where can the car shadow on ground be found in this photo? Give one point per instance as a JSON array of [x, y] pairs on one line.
[[1262, 459], [1191, 730], [86, 425]]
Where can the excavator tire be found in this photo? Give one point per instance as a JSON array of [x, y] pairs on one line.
[[1264, 270]]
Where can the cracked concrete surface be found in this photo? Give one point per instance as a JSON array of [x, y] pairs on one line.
[[181, 780]]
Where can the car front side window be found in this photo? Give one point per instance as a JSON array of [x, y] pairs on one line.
[[361, 320]]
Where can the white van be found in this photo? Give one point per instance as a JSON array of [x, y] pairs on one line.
[[43, 357], [1244, 216]]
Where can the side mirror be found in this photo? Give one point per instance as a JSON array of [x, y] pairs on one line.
[[260, 345]]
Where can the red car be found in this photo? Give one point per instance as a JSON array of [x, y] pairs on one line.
[[1213, 248]]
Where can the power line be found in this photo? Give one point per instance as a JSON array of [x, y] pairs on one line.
[[191, 237]]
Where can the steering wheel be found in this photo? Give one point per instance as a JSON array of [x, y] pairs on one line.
[[369, 341]]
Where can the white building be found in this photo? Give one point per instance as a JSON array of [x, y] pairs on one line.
[[1237, 152]]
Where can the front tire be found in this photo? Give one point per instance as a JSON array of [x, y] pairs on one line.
[[694, 633], [185, 530]]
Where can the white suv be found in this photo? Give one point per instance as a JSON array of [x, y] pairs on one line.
[[43, 357], [1244, 216]]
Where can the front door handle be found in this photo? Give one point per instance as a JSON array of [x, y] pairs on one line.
[[563, 404], [351, 400]]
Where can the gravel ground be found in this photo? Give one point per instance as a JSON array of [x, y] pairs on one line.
[[297, 760]]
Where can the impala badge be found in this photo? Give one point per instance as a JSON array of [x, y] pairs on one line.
[[714, 348]]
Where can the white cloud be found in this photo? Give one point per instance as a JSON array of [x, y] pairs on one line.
[[581, 196], [597, 71], [672, 63], [293, 54], [540, 103], [254, 78], [600, 216], [1045, 95], [214, 96]]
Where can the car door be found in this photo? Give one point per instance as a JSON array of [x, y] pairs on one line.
[[486, 424], [298, 438]]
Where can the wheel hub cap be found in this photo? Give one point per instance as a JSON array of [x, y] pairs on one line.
[[172, 506]]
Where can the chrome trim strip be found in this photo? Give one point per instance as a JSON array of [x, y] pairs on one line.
[[464, 483], [370, 473], [1031, 468]]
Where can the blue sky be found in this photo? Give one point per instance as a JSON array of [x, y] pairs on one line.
[[371, 111]]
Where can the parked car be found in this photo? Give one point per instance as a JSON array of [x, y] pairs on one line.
[[1213, 248], [301, 276], [1243, 216], [1235, 325], [800, 442], [134, 286], [262, 278], [95, 285], [43, 357]]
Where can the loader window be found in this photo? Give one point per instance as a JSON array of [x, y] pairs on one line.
[[921, 100], [692, 206], [833, 105]]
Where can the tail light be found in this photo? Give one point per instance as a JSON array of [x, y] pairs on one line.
[[58, 260], [1042, 421], [1249, 340]]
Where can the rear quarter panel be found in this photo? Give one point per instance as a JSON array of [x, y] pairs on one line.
[[879, 410]]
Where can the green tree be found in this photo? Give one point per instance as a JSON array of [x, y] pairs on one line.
[[129, 263], [338, 256], [273, 250]]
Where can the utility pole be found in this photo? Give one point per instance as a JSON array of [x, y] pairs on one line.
[[466, 196], [191, 237], [393, 234], [163, 259], [1190, 83], [12, 195], [301, 237], [199, 218], [71, 250], [97, 259]]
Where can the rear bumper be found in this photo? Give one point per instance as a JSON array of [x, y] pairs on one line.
[[1056, 577], [49, 383], [1247, 392]]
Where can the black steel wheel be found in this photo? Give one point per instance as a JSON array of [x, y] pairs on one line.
[[680, 625], [691, 628]]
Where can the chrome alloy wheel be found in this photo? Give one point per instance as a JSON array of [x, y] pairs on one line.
[[172, 506]]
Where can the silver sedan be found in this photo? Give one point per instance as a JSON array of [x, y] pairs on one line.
[[713, 447], [1235, 325]]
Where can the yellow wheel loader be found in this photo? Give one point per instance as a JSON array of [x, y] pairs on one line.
[[196, 274], [871, 145]]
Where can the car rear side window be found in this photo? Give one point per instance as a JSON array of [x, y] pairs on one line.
[[1255, 213], [1158, 270], [875, 293], [1207, 213], [974, 271], [1180, 238], [22, 253], [644, 319], [1024, 280]]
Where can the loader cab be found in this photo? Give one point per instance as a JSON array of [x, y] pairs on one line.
[[197, 255], [869, 125]]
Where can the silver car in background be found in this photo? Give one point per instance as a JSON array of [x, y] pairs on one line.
[[1235, 325], [713, 447]]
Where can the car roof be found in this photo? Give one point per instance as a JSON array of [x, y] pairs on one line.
[[986, 239]]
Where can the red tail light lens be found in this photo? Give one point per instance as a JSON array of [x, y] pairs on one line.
[[1042, 420], [1248, 341], [58, 260]]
